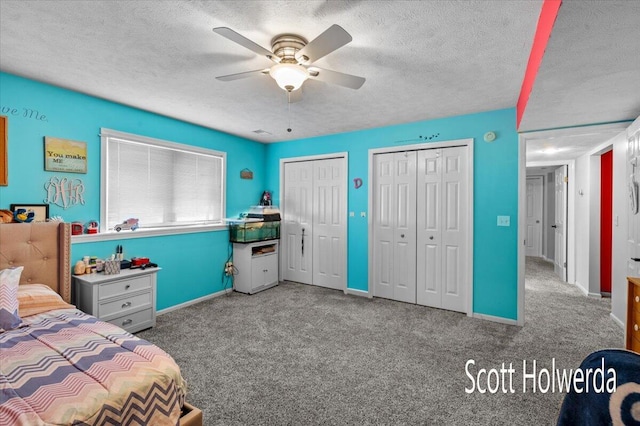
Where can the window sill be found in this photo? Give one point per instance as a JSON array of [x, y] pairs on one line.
[[145, 232]]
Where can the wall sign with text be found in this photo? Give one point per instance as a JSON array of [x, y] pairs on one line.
[[63, 155]]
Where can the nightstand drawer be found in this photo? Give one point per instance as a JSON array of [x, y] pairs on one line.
[[136, 321], [121, 287], [119, 306]]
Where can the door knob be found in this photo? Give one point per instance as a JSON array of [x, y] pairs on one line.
[[431, 237], [637, 299], [553, 226], [537, 221], [401, 235]]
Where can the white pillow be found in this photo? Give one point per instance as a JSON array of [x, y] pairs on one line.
[[9, 282]]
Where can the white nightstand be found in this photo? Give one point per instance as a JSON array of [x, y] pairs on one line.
[[127, 299]]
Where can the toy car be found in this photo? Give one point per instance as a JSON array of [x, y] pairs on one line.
[[130, 223]]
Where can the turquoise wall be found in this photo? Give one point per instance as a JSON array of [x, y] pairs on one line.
[[495, 193], [192, 263]]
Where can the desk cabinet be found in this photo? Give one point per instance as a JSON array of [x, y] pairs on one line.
[[633, 315], [257, 266], [127, 299]]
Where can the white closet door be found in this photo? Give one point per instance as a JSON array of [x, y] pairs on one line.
[[429, 238], [404, 252], [395, 226], [455, 211], [383, 224], [442, 222], [297, 238], [328, 223]]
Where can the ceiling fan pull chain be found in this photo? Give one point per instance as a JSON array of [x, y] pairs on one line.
[[289, 110]]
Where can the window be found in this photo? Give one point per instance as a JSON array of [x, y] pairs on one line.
[[163, 184]]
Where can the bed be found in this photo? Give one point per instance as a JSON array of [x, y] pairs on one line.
[[59, 365]]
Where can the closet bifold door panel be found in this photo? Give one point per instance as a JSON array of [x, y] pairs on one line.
[[298, 223], [314, 228], [442, 234], [395, 226], [328, 223]]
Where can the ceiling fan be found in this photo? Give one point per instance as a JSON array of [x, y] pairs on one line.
[[294, 58]]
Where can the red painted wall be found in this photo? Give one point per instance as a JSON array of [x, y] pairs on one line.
[[606, 220], [546, 20]]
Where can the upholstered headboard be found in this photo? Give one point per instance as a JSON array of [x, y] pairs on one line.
[[43, 248]]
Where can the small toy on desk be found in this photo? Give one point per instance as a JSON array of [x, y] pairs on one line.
[[139, 261], [23, 215]]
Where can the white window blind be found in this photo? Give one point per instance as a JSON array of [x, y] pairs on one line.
[[163, 184]]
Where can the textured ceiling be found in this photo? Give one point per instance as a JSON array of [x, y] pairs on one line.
[[590, 72], [422, 60], [568, 144]]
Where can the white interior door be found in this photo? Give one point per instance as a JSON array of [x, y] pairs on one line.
[[395, 226], [633, 183], [297, 232], [442, 228], [534, 216], [329, 205], [560, 261]]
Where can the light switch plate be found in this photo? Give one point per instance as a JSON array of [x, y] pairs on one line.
[[352, 214], [504, 220], [363, 214]]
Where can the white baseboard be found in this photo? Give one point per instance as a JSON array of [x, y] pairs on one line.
[[495, 319], [356, 292], [546, 259], [617, 320], [587, 292], [194, 301], [582, 289]]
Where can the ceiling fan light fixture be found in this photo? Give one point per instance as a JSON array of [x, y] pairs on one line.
[[289, 76]]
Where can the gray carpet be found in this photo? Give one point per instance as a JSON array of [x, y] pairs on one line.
[[298, 354]]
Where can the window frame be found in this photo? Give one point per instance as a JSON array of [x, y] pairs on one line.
[[105, 135]]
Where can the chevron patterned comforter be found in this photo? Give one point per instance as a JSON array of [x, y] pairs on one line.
[[65, 367]]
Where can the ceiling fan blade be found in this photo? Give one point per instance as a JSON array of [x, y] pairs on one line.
[[332, 39], [335, 77], [245, 42], [245, 74]]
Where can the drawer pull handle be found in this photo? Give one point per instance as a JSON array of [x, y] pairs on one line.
[[127, 287], [127, 322], [637, 299], [635, 327], [126, 305]]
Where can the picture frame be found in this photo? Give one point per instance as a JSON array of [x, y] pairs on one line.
[[64, 155], [41, 211]]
